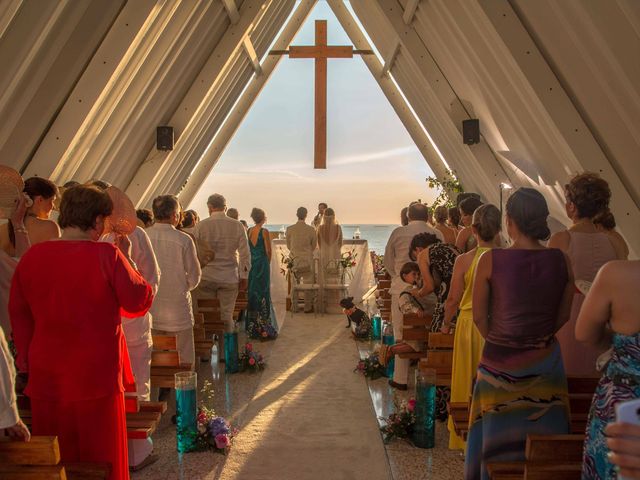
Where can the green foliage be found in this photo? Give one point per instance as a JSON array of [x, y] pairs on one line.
[[447, 188]]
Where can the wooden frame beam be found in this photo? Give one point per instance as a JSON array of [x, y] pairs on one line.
[[391, 58], [232, 11], [410, 11], [247, 45]]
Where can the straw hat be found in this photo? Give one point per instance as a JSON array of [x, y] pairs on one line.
[[123, 219], [11, 186]]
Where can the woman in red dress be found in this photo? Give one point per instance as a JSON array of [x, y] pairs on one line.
[[66, 300]]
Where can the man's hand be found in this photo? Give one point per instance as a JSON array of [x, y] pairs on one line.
[[20, 210], [242, 284], [124, 244], [19, 432], [446, 328]]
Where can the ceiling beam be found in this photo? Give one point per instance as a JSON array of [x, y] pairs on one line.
[[154, 174], [391, 58], [232, 11], [410, 11], [226, 132], [251, 53]]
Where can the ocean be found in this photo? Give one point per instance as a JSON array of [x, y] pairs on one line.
[[376, 235]]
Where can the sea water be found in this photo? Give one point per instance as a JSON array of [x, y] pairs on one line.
[[186, 426], [424, 431]]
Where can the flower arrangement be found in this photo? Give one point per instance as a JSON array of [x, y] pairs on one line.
[[401, 422], [346, 262], [370, 367], [288, 266], [251, 360], [377, 262], [214, 432]]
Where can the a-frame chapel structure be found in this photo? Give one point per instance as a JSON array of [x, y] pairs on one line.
[[555, 85]]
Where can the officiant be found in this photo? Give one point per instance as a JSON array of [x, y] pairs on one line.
[[301, 242]]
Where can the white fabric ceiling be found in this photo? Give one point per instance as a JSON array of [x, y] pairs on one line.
[[555, 84]]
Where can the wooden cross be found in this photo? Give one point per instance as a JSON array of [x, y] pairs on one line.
[[320, 52]]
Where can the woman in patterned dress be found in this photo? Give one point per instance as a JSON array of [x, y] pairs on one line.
[[611, 301], [521, 297], [435, 260]]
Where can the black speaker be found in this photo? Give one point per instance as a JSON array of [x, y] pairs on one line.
[[164, 138], [471, 131]]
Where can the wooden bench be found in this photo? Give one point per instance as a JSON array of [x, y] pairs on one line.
[[165, 361], [416, 329], [39, 459], [439, 356], [547, 457], [202, 342]]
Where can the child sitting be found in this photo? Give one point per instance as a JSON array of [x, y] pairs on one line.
[[356, 316], [408, 304]]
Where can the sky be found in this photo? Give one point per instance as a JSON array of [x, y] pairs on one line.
[[373, 167]]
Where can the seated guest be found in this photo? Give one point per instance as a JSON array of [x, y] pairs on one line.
[[223, 250], [588, 249], [408, 304], [176, 254], [468, 342], [42, 193], [610, 317], [68, 335], [521, 298], [440, 214], [145, 217], [453, 219], [606, 222], [465, 240]]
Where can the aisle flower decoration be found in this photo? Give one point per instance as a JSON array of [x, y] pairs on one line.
[[377, 262], [288, 266], [250, 360], [347, 262], [214, 432], [370, 366], [401, 422]]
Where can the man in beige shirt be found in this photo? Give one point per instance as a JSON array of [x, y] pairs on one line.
[[301, 242], [223, 250]]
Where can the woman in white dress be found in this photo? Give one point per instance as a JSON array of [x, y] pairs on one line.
[[329, 245]]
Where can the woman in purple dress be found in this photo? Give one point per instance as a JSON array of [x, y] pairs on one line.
[[521, 297]]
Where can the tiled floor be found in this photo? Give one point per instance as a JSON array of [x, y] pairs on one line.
[[234, 392]]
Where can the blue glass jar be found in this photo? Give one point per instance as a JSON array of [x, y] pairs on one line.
[[231, 356], [186, 401], [376, 327], [388, 339], [424, 431]]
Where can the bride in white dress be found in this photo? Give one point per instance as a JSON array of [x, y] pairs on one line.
[[329, 245]]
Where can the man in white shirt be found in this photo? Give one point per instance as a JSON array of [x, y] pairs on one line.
[[176, 254], [223, 250], [317, 220], [301, 242], [137, 333], [396, 254]]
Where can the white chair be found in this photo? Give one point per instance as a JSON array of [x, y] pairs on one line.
[[333, 271], [298, 286]]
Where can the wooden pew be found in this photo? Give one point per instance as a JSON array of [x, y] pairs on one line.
[[439, 357], [39, 459], [165, 361], [416, 329], [214, 327], [202, 342]]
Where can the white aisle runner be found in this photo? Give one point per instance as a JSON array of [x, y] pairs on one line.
[[311, 416]]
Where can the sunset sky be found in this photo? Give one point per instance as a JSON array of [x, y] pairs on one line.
[[374, 168]]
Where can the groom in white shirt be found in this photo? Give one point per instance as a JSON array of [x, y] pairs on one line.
[[396, 254], [224, 254], [302, 242]]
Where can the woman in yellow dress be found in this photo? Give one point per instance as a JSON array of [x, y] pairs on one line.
[[468, 342]]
